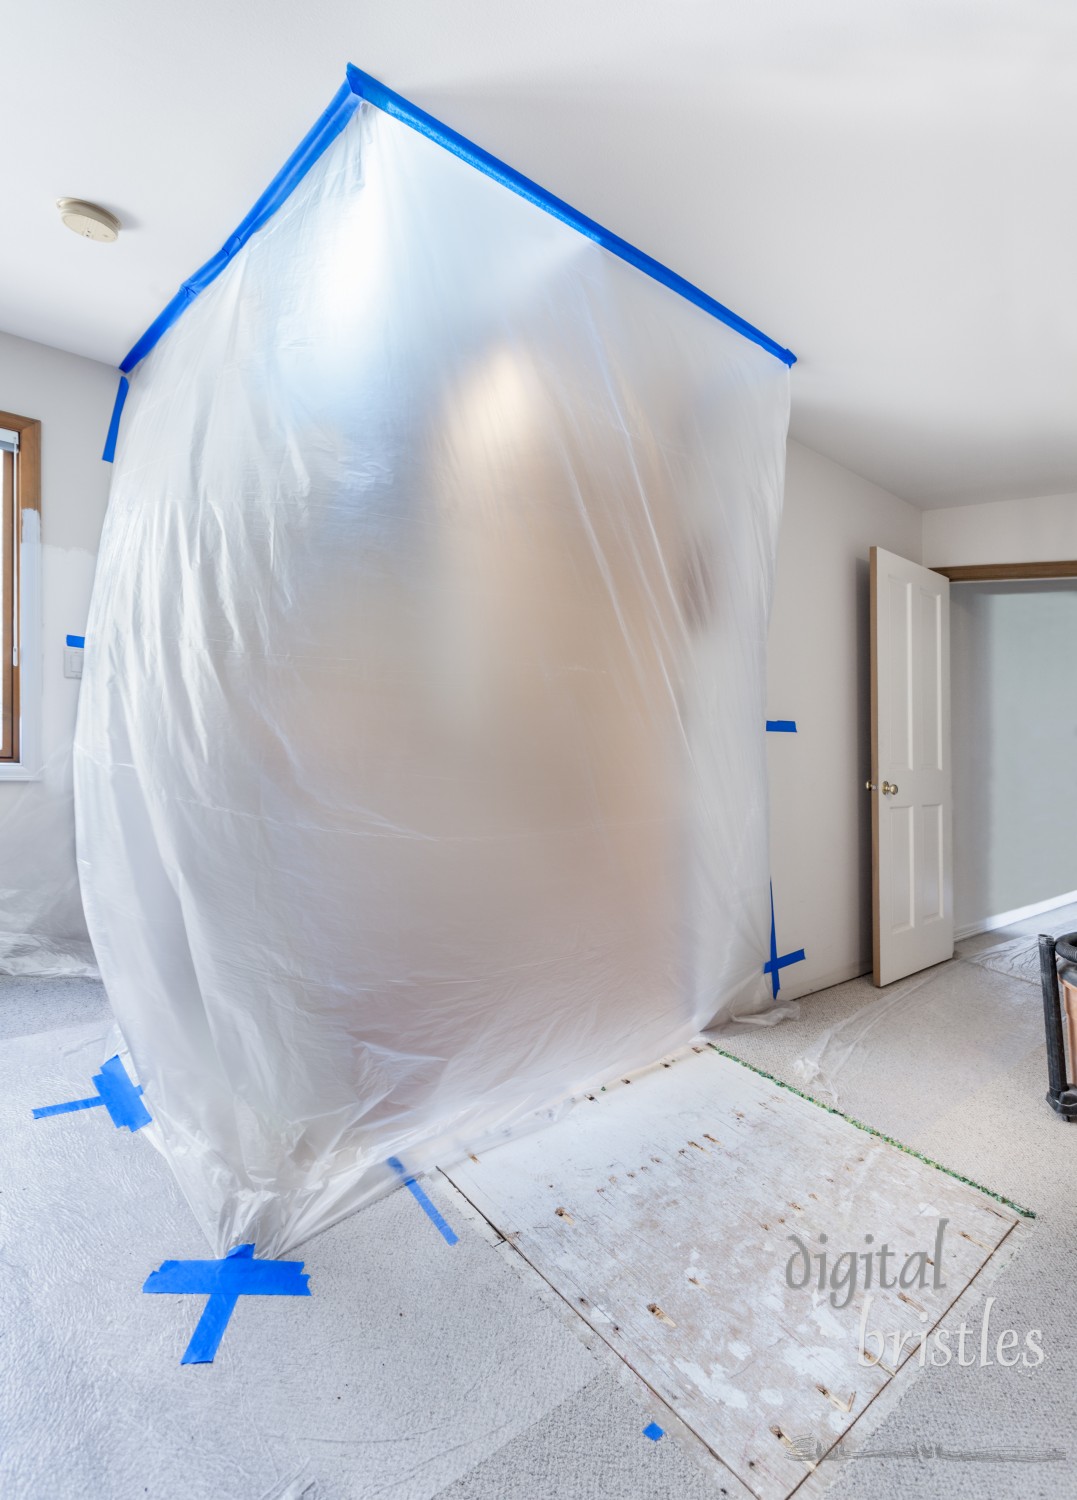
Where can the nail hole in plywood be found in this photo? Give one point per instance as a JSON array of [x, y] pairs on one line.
[[564, 1214], [971, 1241], [654, 1309], [836, 1400]]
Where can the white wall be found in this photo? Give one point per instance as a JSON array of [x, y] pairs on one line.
[[1039, 530], [819, 676], [72, 398], [1014, 746]]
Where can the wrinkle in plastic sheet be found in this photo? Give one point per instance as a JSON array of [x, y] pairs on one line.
[[42, 926], [420, 768], [969, 1011]]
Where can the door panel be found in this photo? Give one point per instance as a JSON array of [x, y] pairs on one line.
[[912, 848]]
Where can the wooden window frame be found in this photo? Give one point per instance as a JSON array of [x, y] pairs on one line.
[[21, 492]]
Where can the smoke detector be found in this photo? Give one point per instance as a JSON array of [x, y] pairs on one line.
[[89, 220]]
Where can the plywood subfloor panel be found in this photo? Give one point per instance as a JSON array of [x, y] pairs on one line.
[[661, 1209]]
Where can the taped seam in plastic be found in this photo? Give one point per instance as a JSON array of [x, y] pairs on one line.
[[774, 962], [402, 109], [321, 134]]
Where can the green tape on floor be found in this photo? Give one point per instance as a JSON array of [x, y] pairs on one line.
[[1026, 1213]]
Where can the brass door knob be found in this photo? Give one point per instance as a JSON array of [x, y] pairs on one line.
[[890, 788], [869, 786]]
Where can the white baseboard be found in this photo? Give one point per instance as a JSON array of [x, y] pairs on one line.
[[1019, 913], [852, 970]]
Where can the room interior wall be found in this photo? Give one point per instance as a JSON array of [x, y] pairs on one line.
[[1042, 529], [1014, 747], [72, 397], [819, 677]]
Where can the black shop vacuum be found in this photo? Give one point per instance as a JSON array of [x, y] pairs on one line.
[[1058, 975]]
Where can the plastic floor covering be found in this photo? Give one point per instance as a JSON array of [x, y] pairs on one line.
[[416, 1368]]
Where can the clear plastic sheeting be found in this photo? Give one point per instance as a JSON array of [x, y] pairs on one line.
[[420, 766], [42, 927], [970, 1012]]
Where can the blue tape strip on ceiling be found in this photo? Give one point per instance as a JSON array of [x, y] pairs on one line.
[[392, 104], [321, 134], [359, 85]]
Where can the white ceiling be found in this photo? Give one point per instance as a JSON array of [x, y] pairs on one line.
[[889, 188]]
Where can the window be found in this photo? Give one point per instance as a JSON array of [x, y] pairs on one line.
[[20, 505]]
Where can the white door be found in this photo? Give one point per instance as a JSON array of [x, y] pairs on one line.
[[912, 849]]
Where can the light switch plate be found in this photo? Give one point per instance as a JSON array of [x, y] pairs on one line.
[[73, 661]]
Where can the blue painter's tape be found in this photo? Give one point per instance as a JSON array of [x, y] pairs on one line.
[[322, 133], [401, 109], [774, 963], [223, 1282], [771, 967], [77, 640], [788, 958], [447, 1232], [65, 1109], [781, 726], [121, 1097], [653, 1431], [114, 425], [238, 1274], [209, 1330], [115, 1091]]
